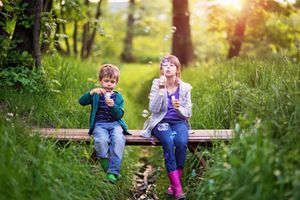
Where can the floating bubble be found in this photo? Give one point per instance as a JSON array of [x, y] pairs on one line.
[[237, 127], [166, 37], [211, 182], [194, 173], [145, 113], [174, 29], [277, 172], [147, 29]]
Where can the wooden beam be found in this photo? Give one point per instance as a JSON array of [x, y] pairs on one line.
[[195, 136]]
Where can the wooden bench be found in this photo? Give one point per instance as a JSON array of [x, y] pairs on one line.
[[196, 137]]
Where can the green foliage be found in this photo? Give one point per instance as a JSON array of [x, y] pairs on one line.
[[14, 12], [42, 169], [271, 27], [259, 99], [25, 79]]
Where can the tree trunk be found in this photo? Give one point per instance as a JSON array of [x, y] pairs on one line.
[[182, 46], [66, 39], [28, 37], [75, 37], [235, 43], [92, 37], [56, 38], [85, 33], [47, 6], [36, 32], [126, 55], [25, 34]]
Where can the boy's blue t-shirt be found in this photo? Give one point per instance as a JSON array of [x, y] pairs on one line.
[[103, 111]]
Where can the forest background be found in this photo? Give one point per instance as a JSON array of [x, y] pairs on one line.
[[241, 57]]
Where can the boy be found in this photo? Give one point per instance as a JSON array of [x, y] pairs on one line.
[[106, 124]]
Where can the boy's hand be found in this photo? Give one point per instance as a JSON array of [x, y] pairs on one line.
[[97, 91], [110, 102]]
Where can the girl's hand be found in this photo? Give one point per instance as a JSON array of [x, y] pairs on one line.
[[162, 82], [110, 102], [97, 91], [176, 104]]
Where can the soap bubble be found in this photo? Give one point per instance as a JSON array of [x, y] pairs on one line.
[[145, 113], [194, 173], [147, 29], [174, 29], [166, 37]]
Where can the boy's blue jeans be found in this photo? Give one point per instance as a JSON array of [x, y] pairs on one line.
[[173, 134], [109, 142]]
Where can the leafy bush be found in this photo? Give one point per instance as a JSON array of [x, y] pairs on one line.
[[31, 80]]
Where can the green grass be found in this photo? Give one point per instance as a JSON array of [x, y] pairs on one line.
[[259, 98]]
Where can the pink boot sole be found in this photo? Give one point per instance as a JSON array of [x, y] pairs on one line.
[[170, 191]]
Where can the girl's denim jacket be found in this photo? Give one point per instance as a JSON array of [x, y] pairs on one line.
[[159, 102]]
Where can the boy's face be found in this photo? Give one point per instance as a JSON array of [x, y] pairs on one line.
[[108, 83]]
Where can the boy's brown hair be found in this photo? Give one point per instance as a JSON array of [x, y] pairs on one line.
[[109, 70]]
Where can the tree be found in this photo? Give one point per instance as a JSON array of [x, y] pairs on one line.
[[235, 42], [259, 24], [47, 6], [87, 37], [127, 51], [182, 46], [27, 30]]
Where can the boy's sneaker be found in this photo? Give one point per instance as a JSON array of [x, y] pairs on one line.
[[104, 164], [112, 178]]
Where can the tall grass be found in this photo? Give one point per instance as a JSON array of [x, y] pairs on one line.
[[260, 99], [32, 168]]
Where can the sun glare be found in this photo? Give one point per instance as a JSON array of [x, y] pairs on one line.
[[230, 3], [112, 1]]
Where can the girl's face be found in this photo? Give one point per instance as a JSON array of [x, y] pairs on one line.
[[168, 69]]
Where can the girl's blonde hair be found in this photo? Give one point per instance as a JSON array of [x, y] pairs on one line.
[[109, 70], [173, 60]]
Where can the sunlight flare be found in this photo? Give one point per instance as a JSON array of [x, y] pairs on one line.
[[231, 3]]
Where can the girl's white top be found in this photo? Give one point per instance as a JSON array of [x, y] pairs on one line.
[[158, 105]]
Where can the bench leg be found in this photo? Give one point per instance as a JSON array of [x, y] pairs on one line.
[[193, 149], [94, 156]]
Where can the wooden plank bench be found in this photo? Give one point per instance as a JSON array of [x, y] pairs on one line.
[[196, 137]]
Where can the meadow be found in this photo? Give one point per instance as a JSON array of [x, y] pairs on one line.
[[257, 97]]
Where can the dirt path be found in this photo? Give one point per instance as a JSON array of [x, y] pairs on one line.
[[144, 180]]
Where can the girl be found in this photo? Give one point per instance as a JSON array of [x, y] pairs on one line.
[[171, 107]]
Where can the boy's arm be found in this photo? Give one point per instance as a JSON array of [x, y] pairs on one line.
[[86, 99], [117, 110]]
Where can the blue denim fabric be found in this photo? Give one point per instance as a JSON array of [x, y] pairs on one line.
[[109, 142], [174, 138]]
